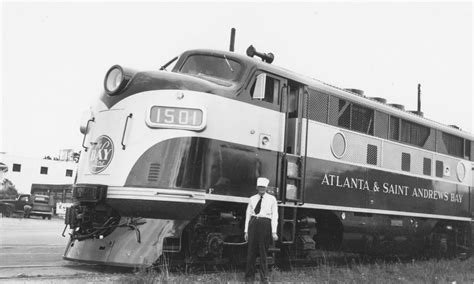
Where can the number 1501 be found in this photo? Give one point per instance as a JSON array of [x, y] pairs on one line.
[[179, 116]]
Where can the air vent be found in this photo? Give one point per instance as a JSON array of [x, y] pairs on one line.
[[406, 161], [439, 168], [401, 107], [427, 166], [355, 91], [379, 99], [154, 172], [371, 154]]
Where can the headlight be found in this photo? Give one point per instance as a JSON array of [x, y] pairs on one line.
[[116, 79]]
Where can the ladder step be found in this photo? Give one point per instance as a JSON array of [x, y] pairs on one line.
[[294, 178], [270, 260], [273, 249], [294, 200]]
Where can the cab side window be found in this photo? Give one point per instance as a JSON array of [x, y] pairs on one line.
[[272, 89]]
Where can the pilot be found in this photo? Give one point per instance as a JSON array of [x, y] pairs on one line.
[[260, 227]]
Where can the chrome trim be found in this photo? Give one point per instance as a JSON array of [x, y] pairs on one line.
[[342, 208], [155, 194]]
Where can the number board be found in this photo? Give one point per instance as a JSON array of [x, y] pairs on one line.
[[176, 117]]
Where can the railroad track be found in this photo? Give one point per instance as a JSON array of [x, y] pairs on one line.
[[60, 272], [44, 263], [35, 262]]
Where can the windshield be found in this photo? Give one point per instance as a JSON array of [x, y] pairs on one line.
[[205, 66]]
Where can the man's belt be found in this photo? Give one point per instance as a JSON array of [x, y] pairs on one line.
[[260, 217]]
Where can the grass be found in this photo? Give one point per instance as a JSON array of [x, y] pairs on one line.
[[429, 271]]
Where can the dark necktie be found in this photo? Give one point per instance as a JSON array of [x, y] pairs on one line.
[[259, 204]]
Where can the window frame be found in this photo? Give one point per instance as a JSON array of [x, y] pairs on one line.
[[442, 138], [349, 107], [45, 169], [16, 167], [276, 104], [237, 79]]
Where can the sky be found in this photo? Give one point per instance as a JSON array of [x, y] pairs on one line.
[[55, 54]]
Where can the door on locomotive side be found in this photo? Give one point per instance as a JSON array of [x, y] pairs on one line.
[[266, 92], [289, 98], [472, 200], [293, 158]]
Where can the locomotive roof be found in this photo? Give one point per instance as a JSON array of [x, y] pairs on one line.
[[328, 88]]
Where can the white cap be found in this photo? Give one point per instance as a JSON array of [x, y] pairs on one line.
[[261, 181]]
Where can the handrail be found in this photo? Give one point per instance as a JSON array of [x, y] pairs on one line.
[[172, 194], [306, 96], [125, 130], [85, 133]]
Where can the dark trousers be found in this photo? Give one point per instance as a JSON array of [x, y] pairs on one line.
[[260, 236]]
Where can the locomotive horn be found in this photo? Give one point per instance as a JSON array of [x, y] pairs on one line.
[[266, 57]]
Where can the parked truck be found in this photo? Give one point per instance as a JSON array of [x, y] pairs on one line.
[[27, 205]]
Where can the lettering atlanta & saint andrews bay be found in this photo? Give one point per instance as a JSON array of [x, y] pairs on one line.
[[388, 188]]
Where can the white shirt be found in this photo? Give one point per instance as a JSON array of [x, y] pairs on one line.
[[268, 209]]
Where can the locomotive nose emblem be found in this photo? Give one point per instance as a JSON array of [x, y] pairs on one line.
[[101, 154]]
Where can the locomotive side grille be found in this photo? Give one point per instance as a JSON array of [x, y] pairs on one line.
[[381, 125], [318, 107], [154, 172], [394, 128], [371, 154], [333, 115]]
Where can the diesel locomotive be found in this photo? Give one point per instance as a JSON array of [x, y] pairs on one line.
[[171, 157]]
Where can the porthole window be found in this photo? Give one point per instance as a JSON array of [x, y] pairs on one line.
[[338, 145], [461, 171]]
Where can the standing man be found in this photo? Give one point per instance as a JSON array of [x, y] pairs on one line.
[[260, 227]]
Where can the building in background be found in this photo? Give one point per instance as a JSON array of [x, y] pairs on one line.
[[53, 177], [66, 155]]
